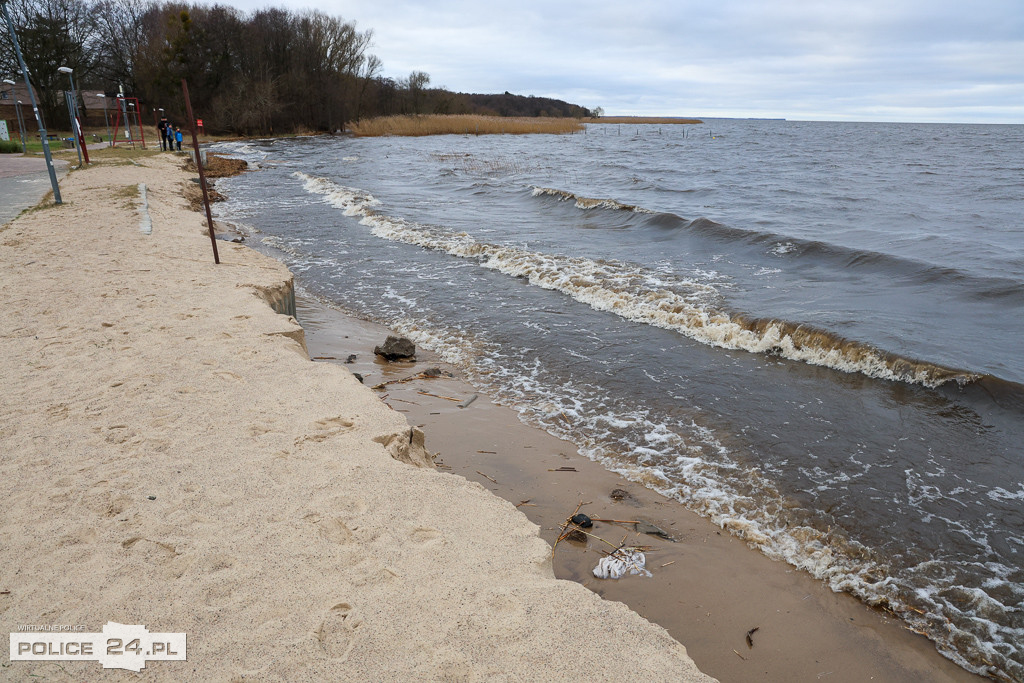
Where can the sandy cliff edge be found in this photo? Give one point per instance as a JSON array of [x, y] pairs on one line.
[[283, 535]]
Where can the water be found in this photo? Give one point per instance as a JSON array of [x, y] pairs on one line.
[[808, 332]]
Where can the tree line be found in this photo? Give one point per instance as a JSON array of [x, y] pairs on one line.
[[268, 71]]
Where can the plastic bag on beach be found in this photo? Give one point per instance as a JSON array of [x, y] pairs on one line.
[[620, 563]]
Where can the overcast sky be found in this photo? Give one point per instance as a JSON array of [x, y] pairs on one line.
[[865, 60]]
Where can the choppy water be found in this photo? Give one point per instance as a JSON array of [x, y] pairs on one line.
[[810, 332]]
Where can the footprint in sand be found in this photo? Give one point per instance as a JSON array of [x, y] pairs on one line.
[[332, 529], [326, 428], [336, 633], [425, 536]]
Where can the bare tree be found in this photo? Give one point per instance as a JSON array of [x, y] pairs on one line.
[[120, 34], [54, 33], [417, 81]]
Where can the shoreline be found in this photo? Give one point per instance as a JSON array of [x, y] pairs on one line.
[[709, 590], [173, 459]]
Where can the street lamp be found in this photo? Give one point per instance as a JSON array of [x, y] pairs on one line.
[[35, 107], [106, 121], [132, 113], [17, 112], [76, 127], [21, 125]]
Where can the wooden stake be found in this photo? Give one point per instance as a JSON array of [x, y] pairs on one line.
[[199, 165]]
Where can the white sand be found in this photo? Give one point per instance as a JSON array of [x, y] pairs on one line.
[[287, 537]]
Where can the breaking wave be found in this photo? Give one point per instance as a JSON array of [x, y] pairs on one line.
[[784, 246], [586, 202], [632, 292]]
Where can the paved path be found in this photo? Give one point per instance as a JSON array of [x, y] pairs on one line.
[[23, 182]]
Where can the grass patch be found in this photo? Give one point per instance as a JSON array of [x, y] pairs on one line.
[[462, 124], [127, 192], [10, 147], [641, 119]]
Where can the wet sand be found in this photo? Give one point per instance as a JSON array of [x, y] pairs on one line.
[[708, 589]]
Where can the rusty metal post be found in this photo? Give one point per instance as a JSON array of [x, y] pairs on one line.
[[199, 165]]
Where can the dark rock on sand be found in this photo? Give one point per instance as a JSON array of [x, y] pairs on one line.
[[581, 520], [396, 348], [358, 377]]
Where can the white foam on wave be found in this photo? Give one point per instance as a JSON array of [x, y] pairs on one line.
[[626, 290], [240, 150], [587, 202]]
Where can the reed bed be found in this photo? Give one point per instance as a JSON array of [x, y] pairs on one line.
[[463, 124], [640, 119]]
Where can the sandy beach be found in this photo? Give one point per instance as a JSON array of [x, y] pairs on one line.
[[172, 458]]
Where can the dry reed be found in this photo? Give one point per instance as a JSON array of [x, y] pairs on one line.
[[462, 124], [640, 119]]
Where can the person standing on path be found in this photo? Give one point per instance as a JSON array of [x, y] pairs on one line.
[[177, 137], [162, 127]]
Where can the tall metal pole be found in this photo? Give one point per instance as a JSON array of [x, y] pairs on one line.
[[71, 116], [76, 117], [21, 126], [78, 120], [35, 107], [17, 113], [110, 139]]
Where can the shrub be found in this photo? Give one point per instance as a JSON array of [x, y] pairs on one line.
[[10, 147]]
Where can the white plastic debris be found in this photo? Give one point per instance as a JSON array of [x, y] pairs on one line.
[[621, 562]]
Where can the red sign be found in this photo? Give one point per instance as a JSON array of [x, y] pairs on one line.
[[199, 123]]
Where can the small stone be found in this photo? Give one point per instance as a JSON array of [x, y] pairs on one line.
[[151, 497], [582, 520], [358, 377], [351, 358]]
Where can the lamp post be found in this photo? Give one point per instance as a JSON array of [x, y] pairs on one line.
[[17, 113], [106, 121], [76, 126], [35, 107], [132, 110], [21, 125]]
